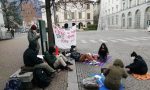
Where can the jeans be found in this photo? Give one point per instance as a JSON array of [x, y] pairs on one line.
[[45, 66]]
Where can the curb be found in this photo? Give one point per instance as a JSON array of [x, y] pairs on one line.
[[72, 78]]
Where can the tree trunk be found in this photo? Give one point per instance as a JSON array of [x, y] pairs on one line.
[[49, 23]]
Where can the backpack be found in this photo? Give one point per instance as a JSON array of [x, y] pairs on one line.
[[40, 78], [14, 84], [75, 55]]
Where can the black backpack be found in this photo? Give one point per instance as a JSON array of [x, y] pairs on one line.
[[75, 55], [14, 84], [40, 78]]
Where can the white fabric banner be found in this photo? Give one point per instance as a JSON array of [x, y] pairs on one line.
[[65, 38]]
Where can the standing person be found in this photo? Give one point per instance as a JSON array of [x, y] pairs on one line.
[[103, 52], [12, 33], [57, 61], [31, 60], [33, 36], [138, 66], [116, 73]]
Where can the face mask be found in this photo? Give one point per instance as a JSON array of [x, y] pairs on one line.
[[132, 58], [74, 49]]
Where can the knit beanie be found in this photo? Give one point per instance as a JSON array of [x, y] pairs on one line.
[[33, 27]]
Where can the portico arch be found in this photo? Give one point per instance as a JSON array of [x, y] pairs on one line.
[[147, 17], [137, 19]]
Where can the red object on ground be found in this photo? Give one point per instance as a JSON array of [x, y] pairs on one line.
[[57, 51]]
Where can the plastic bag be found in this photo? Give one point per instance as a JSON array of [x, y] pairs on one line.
[[90, 82]]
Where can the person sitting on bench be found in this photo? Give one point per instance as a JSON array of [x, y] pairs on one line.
[[31, 60], [57, 61]]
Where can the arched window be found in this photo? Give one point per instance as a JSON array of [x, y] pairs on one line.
[[137, 19], [147, 17], [129, 20], [123, 20]]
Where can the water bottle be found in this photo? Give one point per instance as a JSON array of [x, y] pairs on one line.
[[102, 77]]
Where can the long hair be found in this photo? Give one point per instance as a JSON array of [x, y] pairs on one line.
[[51, 50], [105, 48]]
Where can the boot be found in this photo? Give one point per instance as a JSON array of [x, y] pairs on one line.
[[68, 68], [69, 63]]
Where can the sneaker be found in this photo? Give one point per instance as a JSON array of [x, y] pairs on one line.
[[69, 63]]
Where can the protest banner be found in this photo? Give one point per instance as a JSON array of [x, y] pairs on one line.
[[64, 38]]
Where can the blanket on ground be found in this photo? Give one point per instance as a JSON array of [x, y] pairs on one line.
[[142, 77], [98, 62]]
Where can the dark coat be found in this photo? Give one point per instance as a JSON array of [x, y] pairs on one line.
[[116, 73], [103, 52], [138, 66], [30, 55]]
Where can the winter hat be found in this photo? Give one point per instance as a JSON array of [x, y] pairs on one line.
[[73, 46], [33, 27], [133, 54], [118, 62]]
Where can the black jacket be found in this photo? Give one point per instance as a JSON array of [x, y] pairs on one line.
[[138, 66], [30, 56]]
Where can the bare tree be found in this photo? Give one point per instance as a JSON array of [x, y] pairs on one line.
[[48, 5], [11, 14]]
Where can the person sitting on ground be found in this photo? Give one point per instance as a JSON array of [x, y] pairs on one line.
[[57, 61], [115, 74], [31, 60], [103, 52], [80, 57], [138, 66]]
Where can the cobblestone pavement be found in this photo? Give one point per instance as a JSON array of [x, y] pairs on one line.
[[85, 70], [122, 52]]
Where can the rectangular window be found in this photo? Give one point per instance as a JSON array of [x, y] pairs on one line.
[[117, 8], [137, 2], [72, 14], [123, 22], [88, 6], [130, 22], [116, 19], [123, 6], [130, 2], [80, 15], [108, 21], [112, 20], [65, 15], [88, 15]]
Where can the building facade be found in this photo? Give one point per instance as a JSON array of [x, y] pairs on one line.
[[31, 12], [77, 14], [124, 14]]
